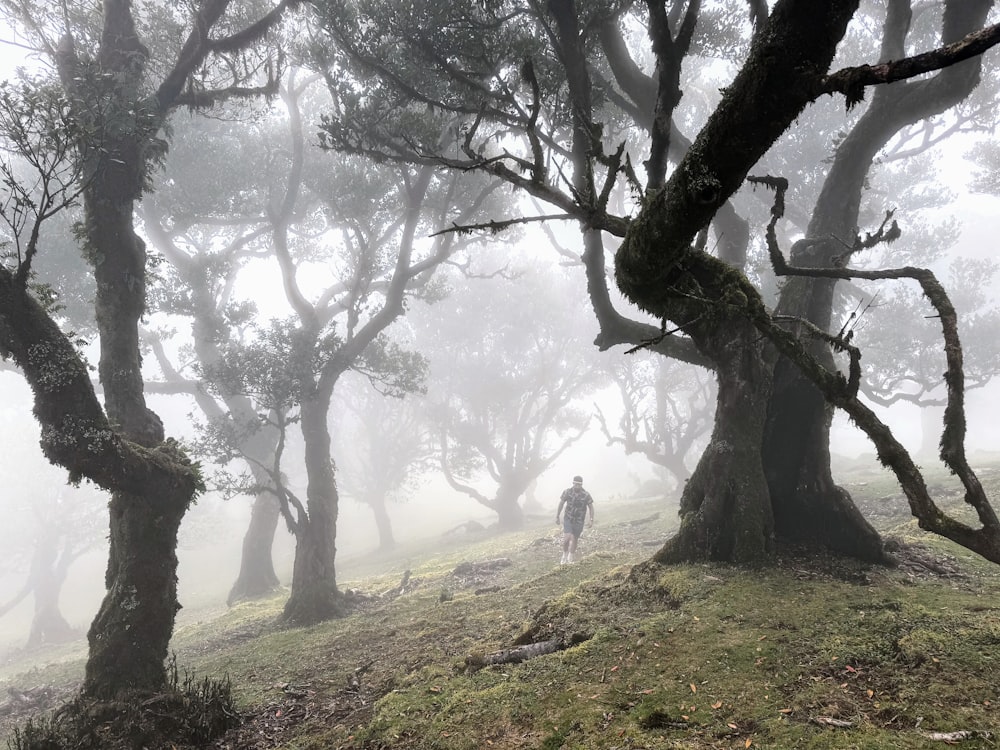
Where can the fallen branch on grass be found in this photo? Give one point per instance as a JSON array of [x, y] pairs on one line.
[[475, 662], [965, 734], [486, 567], [829, 721]]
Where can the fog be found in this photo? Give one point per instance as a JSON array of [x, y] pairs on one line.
[[354, 313]]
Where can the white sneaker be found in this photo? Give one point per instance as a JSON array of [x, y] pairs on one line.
[[565, 559]]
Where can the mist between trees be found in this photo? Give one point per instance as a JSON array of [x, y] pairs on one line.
[[362, 253]]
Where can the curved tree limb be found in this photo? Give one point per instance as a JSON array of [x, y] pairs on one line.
[[984, 540], [851, 82], [76, 433]]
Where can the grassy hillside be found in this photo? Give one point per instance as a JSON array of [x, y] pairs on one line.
[[813, 653]]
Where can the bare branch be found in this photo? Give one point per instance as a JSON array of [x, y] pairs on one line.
[[852, 81], [495, 227]]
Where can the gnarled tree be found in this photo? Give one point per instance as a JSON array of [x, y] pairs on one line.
[[561, 106], [119, 95]]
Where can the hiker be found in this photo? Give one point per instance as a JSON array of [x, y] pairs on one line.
[[577, 501]]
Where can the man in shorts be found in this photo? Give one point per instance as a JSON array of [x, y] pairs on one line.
[[577, 502]]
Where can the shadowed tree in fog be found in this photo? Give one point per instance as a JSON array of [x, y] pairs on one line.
[[385, 446], [118, 91], [510, 370], [809, 507], [540, 92], [666, 412], [49, 526], [207, 221]]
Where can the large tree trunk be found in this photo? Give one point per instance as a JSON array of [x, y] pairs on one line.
[[725, 508], [809, 507], [314, 596], [131, 633], [257, 577], [152, 487], [510, 516]]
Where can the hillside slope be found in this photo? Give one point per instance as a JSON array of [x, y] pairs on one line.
[[815, 652]]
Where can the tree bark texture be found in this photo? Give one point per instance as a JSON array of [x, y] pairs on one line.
[[130, 635], [787, 60], [725, 507], [151, 490]]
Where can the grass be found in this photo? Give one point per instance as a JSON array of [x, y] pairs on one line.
[[814, 652]]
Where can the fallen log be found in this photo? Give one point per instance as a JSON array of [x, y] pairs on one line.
[[475, 662]]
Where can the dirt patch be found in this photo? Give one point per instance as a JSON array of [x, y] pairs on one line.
[[297, 706]]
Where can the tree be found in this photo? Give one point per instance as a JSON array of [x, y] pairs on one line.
[[808, 504], [76, 433], [530, 61], [205, 220], [505, 400], [346, 239], [118, 96], [666, 412], [50, 525], [385, 445]]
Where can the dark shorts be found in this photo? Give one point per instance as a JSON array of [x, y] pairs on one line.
[[572, 527]]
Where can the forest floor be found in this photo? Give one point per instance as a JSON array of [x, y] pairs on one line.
[[813, 652]]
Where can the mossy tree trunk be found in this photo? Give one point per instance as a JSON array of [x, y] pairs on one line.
[[725, 508], [151, 488], [809, 507], [117, 112], [131, 633]]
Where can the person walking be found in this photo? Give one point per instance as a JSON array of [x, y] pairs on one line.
[[577, 502]]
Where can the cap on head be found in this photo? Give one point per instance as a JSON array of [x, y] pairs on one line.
[[577, 479]]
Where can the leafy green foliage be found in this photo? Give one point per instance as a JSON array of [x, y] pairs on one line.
[[39, 169]]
